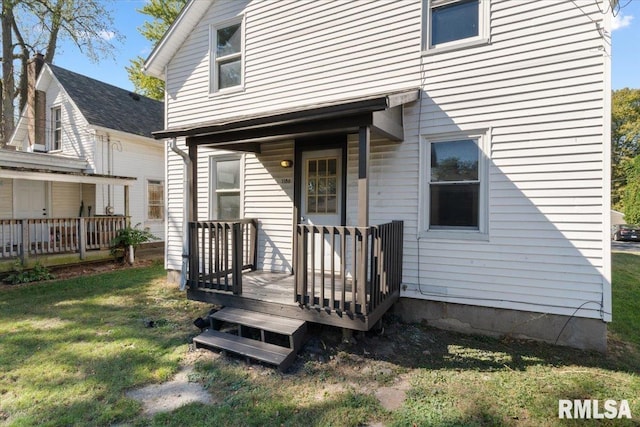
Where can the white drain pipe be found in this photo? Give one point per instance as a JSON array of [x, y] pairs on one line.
[[186, 211]]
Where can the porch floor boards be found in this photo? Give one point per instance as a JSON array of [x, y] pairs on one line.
[[280, 287]]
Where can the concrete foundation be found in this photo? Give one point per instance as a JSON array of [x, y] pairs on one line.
[[582, 333]]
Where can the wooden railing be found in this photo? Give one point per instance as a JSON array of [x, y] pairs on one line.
[[350, 270], [43, 236], [219, 252]]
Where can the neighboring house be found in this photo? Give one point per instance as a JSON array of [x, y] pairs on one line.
[[482, 126], [83, 148]]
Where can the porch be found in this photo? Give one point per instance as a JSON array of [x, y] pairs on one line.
[[80, 237], [353, 290]]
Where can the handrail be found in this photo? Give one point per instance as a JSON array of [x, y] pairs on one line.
[[350, 270], [43, 236], [219, 252]]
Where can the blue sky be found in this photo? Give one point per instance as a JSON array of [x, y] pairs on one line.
[[625, 55]]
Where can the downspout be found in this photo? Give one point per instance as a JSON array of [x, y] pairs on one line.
[[186, 211]]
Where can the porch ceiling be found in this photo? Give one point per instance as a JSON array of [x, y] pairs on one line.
[[383, 113]]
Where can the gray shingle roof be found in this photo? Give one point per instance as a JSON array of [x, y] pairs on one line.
[[108, 106]]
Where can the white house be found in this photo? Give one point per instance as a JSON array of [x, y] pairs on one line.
[[449, 158], [80, 144]]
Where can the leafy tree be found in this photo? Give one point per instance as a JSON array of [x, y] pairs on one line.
[[163, 13], [632, 192], [625, 140], [38, 26]]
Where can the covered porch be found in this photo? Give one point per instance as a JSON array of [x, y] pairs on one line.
[[345, 272]]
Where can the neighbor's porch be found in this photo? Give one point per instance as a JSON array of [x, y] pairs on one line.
[[343, 275]]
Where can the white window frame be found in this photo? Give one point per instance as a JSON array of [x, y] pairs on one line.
[[483, 36], [214, 60], [213, 185], [55, 127], [482, 138], [155, 181]]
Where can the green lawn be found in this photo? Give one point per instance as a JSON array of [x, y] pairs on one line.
[[69, 350]]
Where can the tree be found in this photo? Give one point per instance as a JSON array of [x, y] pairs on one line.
[[163, 12], [632, 192], [625, 140], [37, 26]]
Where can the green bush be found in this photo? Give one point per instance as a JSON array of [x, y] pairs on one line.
[[130, 237], [21, 275]]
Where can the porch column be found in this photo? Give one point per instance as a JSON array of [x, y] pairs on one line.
[[192, 176], [364, 149], [127, 205]]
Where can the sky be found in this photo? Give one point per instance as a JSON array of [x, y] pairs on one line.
[[625, 50]]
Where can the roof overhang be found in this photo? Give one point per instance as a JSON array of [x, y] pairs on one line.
[[383, 113], [33, 174]]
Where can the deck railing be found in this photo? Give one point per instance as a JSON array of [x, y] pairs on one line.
[[219, 252], [45, 236], [350, 270]]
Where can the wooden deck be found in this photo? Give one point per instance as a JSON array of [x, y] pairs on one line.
[[275, 293]]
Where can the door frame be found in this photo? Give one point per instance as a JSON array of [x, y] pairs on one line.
[[316, 144]]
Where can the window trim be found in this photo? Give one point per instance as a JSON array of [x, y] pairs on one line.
[[161, 182], [213, 200], [482, 38], [55, 127], [213, 61], [483, 138]]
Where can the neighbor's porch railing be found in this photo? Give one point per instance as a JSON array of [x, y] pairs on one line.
[[45, 236], [351, 270], [219, 252]]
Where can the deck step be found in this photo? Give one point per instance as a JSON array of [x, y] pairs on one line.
[[269, 353], [276, 329], [253, 319]]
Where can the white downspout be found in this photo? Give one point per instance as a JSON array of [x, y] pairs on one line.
[[185, 211]]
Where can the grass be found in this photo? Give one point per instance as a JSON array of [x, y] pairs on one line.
[[71, 349]]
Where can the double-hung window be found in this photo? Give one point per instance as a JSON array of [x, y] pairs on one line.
[[455, 23], [56, 129], [225, 188], [227, 58], [155, 200], [454, 185]]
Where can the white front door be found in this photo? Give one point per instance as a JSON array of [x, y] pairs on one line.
[[30, 199], [321, 199]]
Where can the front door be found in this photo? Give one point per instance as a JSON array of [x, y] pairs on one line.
[[30, 199], [321, 201]]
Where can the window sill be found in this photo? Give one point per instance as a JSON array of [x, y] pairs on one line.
[[456, 46], [230, 91], [454, 235]]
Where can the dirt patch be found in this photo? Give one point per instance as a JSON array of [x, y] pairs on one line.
[[171, 395]]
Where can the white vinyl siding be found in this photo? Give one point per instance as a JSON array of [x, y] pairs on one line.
[[539, 86], [6, 198], [329, 59], [65, 200]]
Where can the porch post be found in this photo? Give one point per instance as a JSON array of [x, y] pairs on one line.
[[192, 176], [127, 205], [364, 149]]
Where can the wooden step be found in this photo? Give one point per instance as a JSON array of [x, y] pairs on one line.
[[281, 357], [265, 322]]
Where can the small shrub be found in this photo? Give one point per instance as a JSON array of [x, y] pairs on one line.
[[130, 238], [20, 275]]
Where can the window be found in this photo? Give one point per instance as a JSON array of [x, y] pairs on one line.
[[225, 200], [155, 200], [322, 186], [56, 129], [455, 23], [227, 57], [454, 195]]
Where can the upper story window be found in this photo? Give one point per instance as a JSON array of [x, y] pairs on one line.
[[56, 129], [227, 63], [155, 200], [455, 185], [455, 23]]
